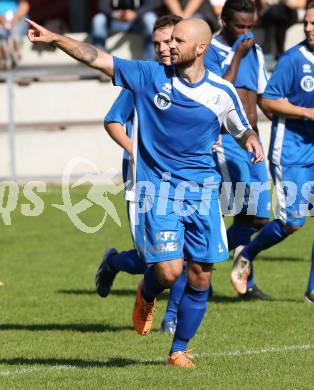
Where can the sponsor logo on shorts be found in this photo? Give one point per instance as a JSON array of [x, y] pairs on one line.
[[165, 248]]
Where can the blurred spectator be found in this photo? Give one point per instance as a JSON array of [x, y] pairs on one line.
[[276, 16], [12, 29], [208, 10], [125, 15]]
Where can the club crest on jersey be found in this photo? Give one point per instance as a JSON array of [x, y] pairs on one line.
[[307, 83], [307, 68], [162, 101]]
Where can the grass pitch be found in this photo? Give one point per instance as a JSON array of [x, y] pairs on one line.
[[56, 333]]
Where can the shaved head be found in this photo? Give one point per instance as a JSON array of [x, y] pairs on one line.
[[197, 30], [190, 40]]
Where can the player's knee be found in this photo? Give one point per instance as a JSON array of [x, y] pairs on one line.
[[199, 274], [168, 273]]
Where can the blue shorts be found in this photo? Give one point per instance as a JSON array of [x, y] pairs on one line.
[[189, 229], [245, 187], [295, 192]]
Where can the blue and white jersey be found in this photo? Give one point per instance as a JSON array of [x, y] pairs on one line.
[[292, 140], [251, 74], [177, 124], [122, 111]]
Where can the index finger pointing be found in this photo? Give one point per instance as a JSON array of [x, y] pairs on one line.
[[29, 21]]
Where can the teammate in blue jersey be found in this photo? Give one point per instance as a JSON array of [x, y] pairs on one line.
[[180, 109], [290, 96], [234, 55]]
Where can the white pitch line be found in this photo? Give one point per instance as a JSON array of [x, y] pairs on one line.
[[265, 350], [35, 369]]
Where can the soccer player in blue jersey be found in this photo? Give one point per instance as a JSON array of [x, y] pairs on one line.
[[234, 55], [290, 96], [122, 113], [179, 109]]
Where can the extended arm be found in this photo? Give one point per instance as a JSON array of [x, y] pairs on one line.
[[80, 51], [283, 108]]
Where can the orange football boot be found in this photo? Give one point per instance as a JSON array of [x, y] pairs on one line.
[[143, 313], [181, 359]]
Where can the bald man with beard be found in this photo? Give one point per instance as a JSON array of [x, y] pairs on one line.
[[180, 109]]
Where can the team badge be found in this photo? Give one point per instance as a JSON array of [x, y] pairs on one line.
[[307, 83], [162, 101]]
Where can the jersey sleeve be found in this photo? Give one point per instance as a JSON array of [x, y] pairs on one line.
[[211, 62], [262, 73], [122, 109], [133, 75], [235, 121], [281, 80]]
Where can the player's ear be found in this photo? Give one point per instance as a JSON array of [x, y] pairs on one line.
[[201, 48]]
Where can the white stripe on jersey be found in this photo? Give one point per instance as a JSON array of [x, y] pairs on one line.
[[226, 48], [307, 54], [220, 45], [218, 101], [262, 75], [131, 174], [278, 142]]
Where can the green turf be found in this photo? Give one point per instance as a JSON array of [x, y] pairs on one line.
[[56, 333]]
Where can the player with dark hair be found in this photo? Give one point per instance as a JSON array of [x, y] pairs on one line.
[[290, 96], [180, 109], [234, 55]]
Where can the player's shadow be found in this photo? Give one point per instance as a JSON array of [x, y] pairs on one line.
[[78, 363], [125, 292], [81, 328]]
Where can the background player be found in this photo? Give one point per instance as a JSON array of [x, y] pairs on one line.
[[290, 96], [234, 55], [180, 110]]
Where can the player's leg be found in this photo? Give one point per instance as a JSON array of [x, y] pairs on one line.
[[112, 262], [100, 30], [191, 311], [205, 243], [309, 295], [289, 218], [256, 217], [148, 20], [160, 241], [233, 164], [169, 321]]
